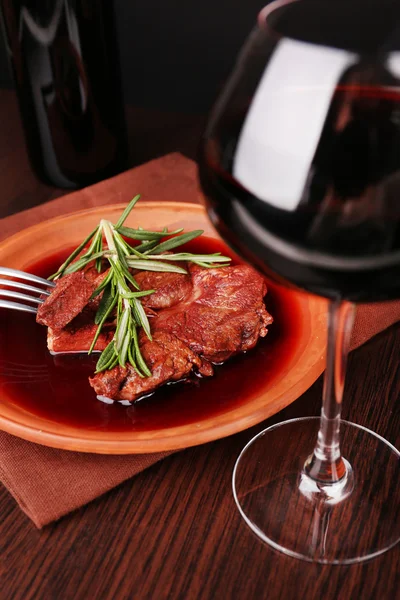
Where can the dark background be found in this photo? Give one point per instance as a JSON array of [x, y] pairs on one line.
[[175, 54]]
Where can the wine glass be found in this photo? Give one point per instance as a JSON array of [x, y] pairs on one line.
[[300, 167]]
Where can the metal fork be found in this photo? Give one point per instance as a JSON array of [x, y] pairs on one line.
[[33, 298]]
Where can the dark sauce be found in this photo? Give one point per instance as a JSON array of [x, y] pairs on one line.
[[57, 387]]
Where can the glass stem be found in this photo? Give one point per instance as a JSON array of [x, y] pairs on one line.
[[326, 464]]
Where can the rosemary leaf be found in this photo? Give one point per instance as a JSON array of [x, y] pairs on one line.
[[135, 252], [99, 248], [82, 262], [177, 241], [106, 358], [123, 354], [186, 256], [118, 275], [123, 270], [139, 358], [128, 275], [94, 245], [209, 265], [152, 265], [107, 279], [131, 358], [144, 235], [146, 247], [73, 255], [119, 308], [103, 319], [121, 245], [126, 212], [105, 303], [143, 321], [136, 315], [131, 295], [122, 329], [113, 363]]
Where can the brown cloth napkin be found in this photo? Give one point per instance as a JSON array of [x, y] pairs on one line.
[[48, 483]]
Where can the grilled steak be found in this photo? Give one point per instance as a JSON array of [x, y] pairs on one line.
[[77, 336], [225, 313], [69, 297], [170, 288], [197, 319], [168, 359]]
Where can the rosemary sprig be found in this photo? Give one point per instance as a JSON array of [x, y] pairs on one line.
[[127, 211], [205, 260], [142, 234], [130, 314], [121, 296], [176, 241], [153, 265]]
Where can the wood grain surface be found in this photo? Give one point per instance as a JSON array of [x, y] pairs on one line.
[[173, 531]]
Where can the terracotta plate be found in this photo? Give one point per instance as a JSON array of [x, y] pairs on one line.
[[306, 361]]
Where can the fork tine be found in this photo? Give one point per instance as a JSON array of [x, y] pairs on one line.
[[23, 286], [18, 296], [17, 306], [28, 276]]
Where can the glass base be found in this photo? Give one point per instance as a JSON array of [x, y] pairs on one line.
[[288, 511]]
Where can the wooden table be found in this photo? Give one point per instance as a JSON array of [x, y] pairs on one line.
[[174, 531]]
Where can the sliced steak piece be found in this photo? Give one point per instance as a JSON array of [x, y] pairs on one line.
[[77, 336], [68, 298], [168, 359], [170, 288], [225, 313]]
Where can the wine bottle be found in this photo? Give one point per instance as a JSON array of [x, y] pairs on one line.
[[65, 62]]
